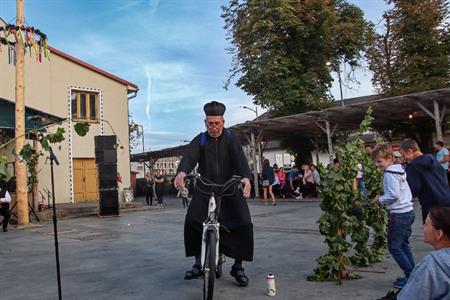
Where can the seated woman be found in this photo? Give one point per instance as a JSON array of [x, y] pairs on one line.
[[279, 185], [430, 278], [308, 188]]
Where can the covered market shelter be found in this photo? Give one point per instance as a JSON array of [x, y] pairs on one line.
[[345, 115]]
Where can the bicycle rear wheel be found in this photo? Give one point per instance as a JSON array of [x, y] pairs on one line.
[[209, 269]]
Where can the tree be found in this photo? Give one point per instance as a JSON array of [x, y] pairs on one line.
[[411, 54], [281, 49], [134, 133]]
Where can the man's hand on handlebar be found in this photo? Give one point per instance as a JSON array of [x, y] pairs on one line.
[[247, 187], [179, 180]]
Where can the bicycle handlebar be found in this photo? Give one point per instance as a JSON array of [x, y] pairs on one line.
[[235, 179]]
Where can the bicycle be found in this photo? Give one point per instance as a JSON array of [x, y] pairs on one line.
[[211, 259]]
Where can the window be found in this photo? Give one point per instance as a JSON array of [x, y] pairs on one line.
[[85, 106]]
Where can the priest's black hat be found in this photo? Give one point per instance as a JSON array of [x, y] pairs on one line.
[[214, 108]]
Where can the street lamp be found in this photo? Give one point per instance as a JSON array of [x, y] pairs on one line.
[[253, 110], [338, 71]]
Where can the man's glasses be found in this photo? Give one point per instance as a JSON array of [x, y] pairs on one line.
[[213, 124]]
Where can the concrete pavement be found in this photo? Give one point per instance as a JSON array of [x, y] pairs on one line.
[[141, 256]]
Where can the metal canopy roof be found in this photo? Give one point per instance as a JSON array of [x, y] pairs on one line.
[[386, 111], [155, 155], [348, 117], [7, 116]]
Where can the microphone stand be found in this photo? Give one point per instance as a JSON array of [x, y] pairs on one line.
[[55, 222]]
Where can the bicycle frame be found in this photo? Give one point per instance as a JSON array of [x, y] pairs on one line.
[[211, 224]]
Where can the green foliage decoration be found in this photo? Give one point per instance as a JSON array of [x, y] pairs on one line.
[[30, 155], [347, 216], [81, 128], [4, 173]]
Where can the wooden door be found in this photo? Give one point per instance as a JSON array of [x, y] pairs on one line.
[[85, 180]]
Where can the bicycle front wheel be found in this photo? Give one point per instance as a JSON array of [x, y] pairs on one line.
[[209, 269]]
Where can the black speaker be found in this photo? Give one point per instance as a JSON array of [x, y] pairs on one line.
[[106, 159], [107, 176], [105, 142], [109, 202], [106, 156]]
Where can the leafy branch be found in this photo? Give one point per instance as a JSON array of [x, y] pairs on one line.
[[347, 215]]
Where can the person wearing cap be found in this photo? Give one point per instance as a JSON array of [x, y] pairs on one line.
[[219, 156]]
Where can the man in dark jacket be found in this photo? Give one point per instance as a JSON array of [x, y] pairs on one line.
[[5, 200], [219, 156], [426, 178]]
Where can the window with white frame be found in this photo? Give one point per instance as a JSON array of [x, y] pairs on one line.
[[85, 106]]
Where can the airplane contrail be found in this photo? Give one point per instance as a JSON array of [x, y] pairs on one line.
[[149, 96]]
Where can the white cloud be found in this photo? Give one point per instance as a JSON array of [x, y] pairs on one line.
[[153, 4]]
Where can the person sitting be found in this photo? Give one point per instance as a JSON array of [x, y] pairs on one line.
[[316, 175], [276, 184], [281, 189], [275, 168], [307, 189], [430, 278], [294, 179], [5, 200]]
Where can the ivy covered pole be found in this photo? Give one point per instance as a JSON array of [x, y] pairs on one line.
[[20, 165]]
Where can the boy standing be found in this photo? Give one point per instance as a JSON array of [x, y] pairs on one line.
[[426, 178], [398, 199]]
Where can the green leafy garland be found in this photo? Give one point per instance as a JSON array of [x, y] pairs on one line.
[[31, 156], [347, 215]]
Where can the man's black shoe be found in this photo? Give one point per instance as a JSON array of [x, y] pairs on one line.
[[196, 272], [239, 275], [5, 226]]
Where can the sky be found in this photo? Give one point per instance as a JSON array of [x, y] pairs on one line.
[[174, 50]]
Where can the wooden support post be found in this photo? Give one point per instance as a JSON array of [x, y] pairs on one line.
[[436, 116], [437, 121], [21, 168], [260, 152], [327, 130], [255, 169], [329, 140]]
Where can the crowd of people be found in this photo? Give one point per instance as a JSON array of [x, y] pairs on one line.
[[298, 183], [422, 176]]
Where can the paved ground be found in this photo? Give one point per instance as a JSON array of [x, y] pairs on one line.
[[140, 256]]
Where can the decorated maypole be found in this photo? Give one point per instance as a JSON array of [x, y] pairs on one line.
[[18, 39], [20, 165]]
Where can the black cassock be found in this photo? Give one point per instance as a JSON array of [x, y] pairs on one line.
[[218, 160]]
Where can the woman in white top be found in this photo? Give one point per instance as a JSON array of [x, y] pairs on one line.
[[308, 187]]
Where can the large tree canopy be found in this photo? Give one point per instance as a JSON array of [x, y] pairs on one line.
[[411, 53], [282, 49]]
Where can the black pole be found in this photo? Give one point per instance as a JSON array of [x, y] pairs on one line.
[[55, 225]]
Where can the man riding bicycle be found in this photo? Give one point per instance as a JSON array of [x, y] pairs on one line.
[[219, 156]]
